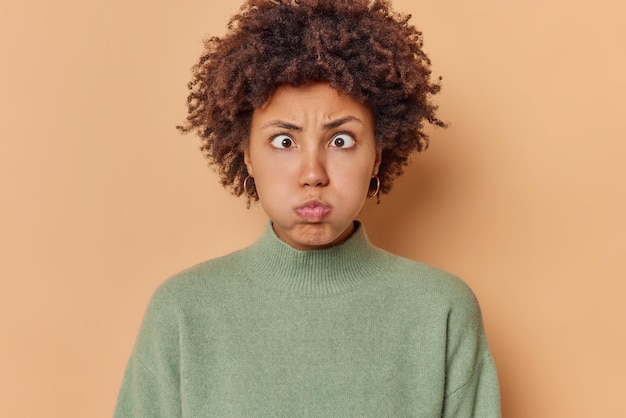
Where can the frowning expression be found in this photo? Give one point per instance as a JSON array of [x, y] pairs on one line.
[[312, 153]]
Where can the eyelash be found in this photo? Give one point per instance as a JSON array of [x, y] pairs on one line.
[[285, 136], [344, 134], [288, 137]]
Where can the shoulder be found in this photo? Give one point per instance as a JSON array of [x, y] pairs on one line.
[[408, 273], [209, 278], [429, 285], [438, 295]]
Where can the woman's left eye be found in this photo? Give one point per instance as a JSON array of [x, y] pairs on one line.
[[342, 140]]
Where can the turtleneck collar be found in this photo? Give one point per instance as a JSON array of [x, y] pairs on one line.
[[321, 272]]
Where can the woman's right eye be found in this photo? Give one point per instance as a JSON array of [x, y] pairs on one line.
[[282, 141]]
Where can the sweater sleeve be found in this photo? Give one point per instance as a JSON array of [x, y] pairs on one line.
[[151, 384], [471, 379]]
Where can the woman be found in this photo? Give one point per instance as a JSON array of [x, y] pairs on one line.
[[310, 107]]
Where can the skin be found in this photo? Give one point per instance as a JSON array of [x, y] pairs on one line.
[[312, 153]]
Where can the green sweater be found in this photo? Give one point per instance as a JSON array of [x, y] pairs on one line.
[[349, 331]]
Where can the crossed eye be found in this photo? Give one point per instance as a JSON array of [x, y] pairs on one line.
[[282, 141], [340, 140]]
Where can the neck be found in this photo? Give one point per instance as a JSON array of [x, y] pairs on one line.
[[331, 270]]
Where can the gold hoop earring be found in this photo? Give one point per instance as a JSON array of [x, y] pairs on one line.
[[371, 194], [250, 190]]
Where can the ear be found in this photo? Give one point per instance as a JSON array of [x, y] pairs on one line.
[[377, 161], [246, 160]]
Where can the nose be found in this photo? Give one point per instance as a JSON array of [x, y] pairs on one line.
[[313, 171]]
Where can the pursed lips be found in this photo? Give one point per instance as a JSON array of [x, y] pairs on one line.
[[313, 210]]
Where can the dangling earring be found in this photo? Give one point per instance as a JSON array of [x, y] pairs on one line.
[[250, 190], [371, 193]]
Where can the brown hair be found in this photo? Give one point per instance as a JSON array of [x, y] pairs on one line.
[[362, 48]]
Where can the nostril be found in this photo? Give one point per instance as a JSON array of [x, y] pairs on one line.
[[313, 173]]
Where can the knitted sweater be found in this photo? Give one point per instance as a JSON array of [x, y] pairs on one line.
[[349, 331]]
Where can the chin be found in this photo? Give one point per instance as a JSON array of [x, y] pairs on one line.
[[318, 236]]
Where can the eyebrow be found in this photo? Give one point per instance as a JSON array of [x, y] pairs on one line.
[[330, 125], [341, 121]]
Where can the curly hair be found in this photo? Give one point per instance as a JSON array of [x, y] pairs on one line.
[[362, 48]]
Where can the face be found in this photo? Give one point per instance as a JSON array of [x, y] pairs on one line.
[[312, 153]]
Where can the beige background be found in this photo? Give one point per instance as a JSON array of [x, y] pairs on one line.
[[523, 196]]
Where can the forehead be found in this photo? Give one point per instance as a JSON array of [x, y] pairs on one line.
[[319, 99]]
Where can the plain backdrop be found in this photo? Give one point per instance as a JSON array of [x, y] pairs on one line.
[[523, 196]]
